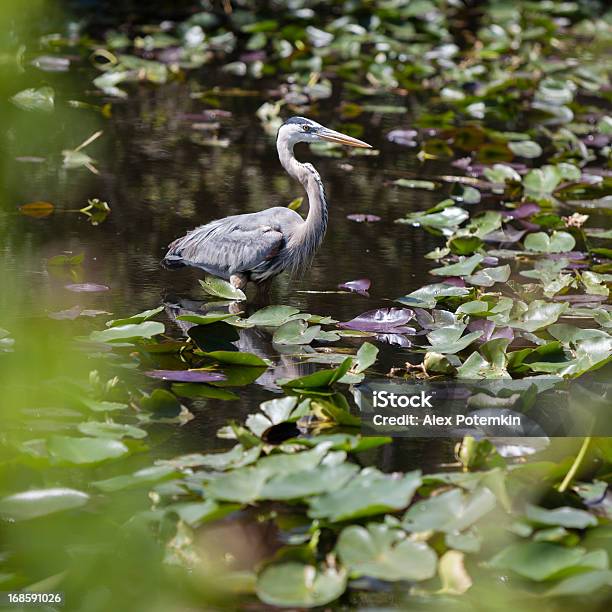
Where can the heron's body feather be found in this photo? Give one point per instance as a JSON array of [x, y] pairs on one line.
[[252, 244], [258, 246]]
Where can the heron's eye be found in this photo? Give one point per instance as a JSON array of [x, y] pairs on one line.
[[306, 128]]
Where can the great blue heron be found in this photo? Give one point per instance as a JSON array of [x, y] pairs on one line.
[[258, 246]]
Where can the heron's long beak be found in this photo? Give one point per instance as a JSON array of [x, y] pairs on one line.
[[339, 138]]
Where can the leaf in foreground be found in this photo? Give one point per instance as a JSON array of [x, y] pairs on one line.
[[381, 552], [298, 585], [542, 560], [85, 450], [42, 99], [148, 329], [40, 502], [371, 492], [188, 376]]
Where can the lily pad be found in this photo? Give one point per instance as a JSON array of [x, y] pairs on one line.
[[542, 560], [449, 339], [186, 376], [87, 288], [427, 296], [297, 585], [361, 285], [557, 242], [85, 450], [296, 332], [382, 320], [40, 502], [368, 494], [128, 332], [563, 516], [449, 512], [273, 316], [221, 288], [42, 99], [379, 551], [465, 266]]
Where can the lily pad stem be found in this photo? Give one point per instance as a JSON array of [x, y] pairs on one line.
[[575, 465]]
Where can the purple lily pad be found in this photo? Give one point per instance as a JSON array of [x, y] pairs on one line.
[[489, 331], [509, 235], [253, 56], [569, 255], [382, 320], [463, 163], [574, 265], [361, 286], [598, 171], [87, 288], [406, 138], [523, 211], [489, 260], [455, 281], [363, 218], [394, 340], [193, 376], [170, 55]]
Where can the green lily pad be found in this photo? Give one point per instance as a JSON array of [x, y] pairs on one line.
[[221, 288], [368, 494], [539, 314], [42, 99], [205, 319], [586, 583], [449, 512], [557, 242], [366, 356], [85, 450], [501, 174], [427, 296], [464, 267], [297, 585], [295, 485], [415, 184], [322, 378], [541, 182], [128, 332], [236, 358], [40, 502], [564, 516], [116, 431], [542, 560], [448, 339], [526, 148], [382, 552], [141, 317], [142, 478], [487, 277], [274, 316], [296, 332]]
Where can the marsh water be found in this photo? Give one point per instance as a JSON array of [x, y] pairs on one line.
[[161, 176]]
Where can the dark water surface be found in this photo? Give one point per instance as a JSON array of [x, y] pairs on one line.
[[160, 180]]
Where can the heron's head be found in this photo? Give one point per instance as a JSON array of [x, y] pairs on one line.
[[300, 129]]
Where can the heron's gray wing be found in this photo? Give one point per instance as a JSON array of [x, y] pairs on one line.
[[235, 244]]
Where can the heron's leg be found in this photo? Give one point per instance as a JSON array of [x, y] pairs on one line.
[[238, 281], [262, 297]]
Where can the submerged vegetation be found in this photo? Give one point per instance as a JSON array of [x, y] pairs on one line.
[[292, 505]]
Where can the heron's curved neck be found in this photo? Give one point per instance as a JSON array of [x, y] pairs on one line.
[[312, 232]]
